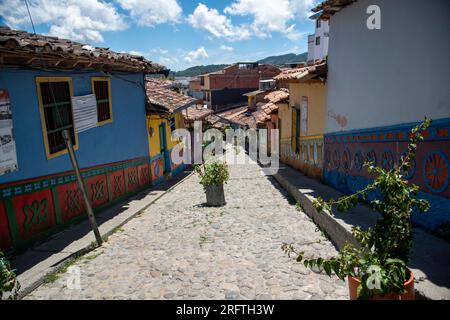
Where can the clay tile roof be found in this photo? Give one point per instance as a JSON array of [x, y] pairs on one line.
[[329, 7], [20, 48], [196, 113], [165, 99], [277, 95], [304, 73]]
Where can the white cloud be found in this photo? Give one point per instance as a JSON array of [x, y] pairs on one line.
[[152, 12], [196, 55], [226, 48], [137, 53], [159, 51], [272, 16], [79, 20], [217, 24]]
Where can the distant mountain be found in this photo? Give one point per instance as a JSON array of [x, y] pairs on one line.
[[285, 58], [197, 70], [275, 60]]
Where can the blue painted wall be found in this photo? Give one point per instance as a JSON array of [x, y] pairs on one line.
[[124, 138]]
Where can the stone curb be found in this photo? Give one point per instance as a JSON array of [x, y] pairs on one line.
[[82, 251]]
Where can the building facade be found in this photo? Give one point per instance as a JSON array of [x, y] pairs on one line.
[[318, 42], [381, 83], [39, 194], [164, 115], [225, 88], [302, 121]]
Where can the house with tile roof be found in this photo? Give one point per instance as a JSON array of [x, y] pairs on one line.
[[384, 77], [165, 109], [302, 120], [48, 85]]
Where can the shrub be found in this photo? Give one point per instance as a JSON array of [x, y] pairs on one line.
[[212, 173], [380, 260]]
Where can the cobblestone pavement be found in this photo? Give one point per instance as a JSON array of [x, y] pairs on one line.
[[180, 249]]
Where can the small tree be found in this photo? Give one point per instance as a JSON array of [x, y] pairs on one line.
[[380, 260], [212, 173], [8, 280]]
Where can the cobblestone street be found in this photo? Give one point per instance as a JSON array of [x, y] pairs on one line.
[[180, 249]]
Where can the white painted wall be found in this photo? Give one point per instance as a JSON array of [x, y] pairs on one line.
[[316, 52], [390, 76]]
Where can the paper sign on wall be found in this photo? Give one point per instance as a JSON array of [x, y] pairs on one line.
[[8, 155], [84, 112]]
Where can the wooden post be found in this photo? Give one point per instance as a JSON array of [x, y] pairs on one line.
[[90, 213]]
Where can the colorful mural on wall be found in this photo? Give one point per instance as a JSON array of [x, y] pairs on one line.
[[33, 208], [346, 152]]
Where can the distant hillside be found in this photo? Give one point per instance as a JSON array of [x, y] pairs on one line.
[[285, 58], [197, 70], [275, 60]]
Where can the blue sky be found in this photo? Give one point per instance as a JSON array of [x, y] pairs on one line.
[[175, 33]]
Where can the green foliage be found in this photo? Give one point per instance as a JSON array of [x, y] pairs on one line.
[[212, 173], [380, 260], [8, 279]]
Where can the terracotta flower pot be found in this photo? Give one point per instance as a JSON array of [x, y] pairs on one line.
[[353, 284]]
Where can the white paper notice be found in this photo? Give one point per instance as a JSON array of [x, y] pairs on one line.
[[8, 155], [84, 112]]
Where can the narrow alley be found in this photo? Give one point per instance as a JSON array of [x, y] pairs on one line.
[[180, 249]]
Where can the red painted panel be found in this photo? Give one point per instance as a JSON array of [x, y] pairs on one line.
[[98, 190], [70, 201], [144, 175], [34, 213], [117, 181], [5, 235], [132, 178]]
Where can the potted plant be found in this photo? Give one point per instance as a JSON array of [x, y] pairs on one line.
[[8, 281], [213, 175], [377, 268]]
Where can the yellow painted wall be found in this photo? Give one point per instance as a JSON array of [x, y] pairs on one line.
[[316, 93], [302, 161], [153, 121], [285, 115]]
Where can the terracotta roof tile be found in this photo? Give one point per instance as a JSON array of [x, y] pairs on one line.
[[303, 73], [194, 113], [20, 47], [169, 100]]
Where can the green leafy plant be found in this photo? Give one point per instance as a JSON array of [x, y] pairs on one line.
[[8, 279], [212, 173], [380, 260]]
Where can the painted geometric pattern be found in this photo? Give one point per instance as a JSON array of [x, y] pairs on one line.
[[436, 171], [157, 168], [439, 130], [34, 213], [132, 180], [98, 190], [34, 209], [144, 175], [9, 190], [435, 165], [70, 201], [117, 181]]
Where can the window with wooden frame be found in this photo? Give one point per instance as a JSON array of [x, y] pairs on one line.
[[101, 87], [55, 105]]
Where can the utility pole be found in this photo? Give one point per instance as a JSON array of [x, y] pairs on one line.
[[87, 204]]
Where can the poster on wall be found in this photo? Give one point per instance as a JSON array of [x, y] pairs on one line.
[[8, 155], [84, 112], [304, 115]]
